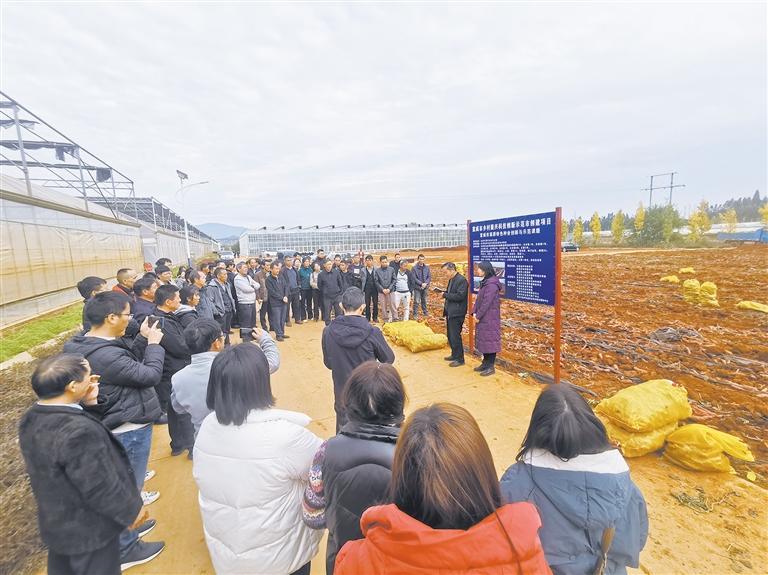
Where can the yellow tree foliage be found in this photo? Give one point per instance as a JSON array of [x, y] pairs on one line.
[[640, 218], [564, 231], [594, 225], [578, 232], [730, 219], [699, 222], [617, 227], [764, 214]]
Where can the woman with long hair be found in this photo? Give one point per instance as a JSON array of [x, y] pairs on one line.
[[251, 465], [446, 513], [487, 312], [351, 471], [580, 484]]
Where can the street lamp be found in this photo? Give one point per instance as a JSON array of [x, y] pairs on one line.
[[180, 191]]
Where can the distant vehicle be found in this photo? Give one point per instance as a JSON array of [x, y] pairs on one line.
[[568, 247], [754, 237], [227, 256]]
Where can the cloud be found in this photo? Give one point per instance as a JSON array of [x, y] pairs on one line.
[[365, 113]]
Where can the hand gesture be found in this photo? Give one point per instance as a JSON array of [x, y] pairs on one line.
[[92, 395], [257, 333], [285, 300], [153, 334]]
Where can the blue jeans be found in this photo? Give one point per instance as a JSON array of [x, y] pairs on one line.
[[137, 444]]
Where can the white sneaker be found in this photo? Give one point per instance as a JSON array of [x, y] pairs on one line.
[[149, 475], [150, 496]]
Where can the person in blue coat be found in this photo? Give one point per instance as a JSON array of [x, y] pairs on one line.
[[580, 484]]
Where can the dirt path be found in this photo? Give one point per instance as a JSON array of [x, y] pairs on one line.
[[730, 539]]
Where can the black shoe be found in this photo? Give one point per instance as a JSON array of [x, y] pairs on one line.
[[489, 371], [299, 322], [178, 451], [146, 527], [162, 420], [480, 367], [141, 552], [288, 324], [456, 363], [449, 358], [286, 337], [280, 338]]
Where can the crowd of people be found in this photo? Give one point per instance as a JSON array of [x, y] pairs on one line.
[[395, 494]]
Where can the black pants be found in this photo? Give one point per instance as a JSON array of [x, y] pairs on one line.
[[180, 426], [304, 570], [277, 318], [306, 304], [372, 305], [331, 303], [316, 304], [247, 314], [489, 359], [453, 326], [263, 315], [322, 305], [294, 301], [104, 561], [225, 321]]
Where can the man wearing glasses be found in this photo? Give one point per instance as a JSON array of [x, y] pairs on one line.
[[127, 399]]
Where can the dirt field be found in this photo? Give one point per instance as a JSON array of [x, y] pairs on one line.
[[615, 313], [729, 539]]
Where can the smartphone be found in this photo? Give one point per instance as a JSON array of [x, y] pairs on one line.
[[156, 320]]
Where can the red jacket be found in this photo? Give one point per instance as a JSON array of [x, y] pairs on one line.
[[397, 544]]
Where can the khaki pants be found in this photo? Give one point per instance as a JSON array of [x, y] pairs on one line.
[[388, 310]]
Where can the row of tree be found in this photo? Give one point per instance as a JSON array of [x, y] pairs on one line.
[[657, 224]]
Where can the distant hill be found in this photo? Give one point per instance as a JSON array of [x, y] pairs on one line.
[[222, 232]]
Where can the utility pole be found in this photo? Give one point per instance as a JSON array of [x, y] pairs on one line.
[[670, 187]]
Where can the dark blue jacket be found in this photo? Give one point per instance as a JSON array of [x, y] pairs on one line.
[[577, 500]]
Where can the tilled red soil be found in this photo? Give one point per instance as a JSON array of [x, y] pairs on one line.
[[622, 326]]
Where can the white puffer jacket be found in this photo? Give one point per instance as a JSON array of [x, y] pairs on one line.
[[251, 480]]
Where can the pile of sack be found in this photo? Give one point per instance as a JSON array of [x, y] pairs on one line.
[[670, 279], [414, 335], [700, 293], [753, 306], [702, 448], [639, 418]]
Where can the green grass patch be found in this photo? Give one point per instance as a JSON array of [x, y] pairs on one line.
[[27, 335]]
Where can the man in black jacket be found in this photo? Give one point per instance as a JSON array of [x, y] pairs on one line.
[[349, 341], [80, 475], [331, 285], [455, 310], [177, 357], [144, 305], [128, 401], [277, 298]]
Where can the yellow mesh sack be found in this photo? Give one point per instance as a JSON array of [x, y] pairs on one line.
[[703, 448], [634, 444], [670, 279], [708, 295], [646, 406], [424, 342], [687, 271], [398, 330], [691, 290], [752, 305]]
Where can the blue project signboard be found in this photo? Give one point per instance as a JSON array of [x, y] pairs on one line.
[[523, 252]]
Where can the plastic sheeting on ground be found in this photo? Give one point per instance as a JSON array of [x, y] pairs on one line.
[[647, 406], [703, 448]]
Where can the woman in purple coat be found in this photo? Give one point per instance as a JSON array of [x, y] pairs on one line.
[[487, 312]]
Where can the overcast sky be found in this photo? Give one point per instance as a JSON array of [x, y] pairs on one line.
[[381, 113]]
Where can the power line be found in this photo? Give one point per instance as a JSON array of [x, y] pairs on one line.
[[669, 187]]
